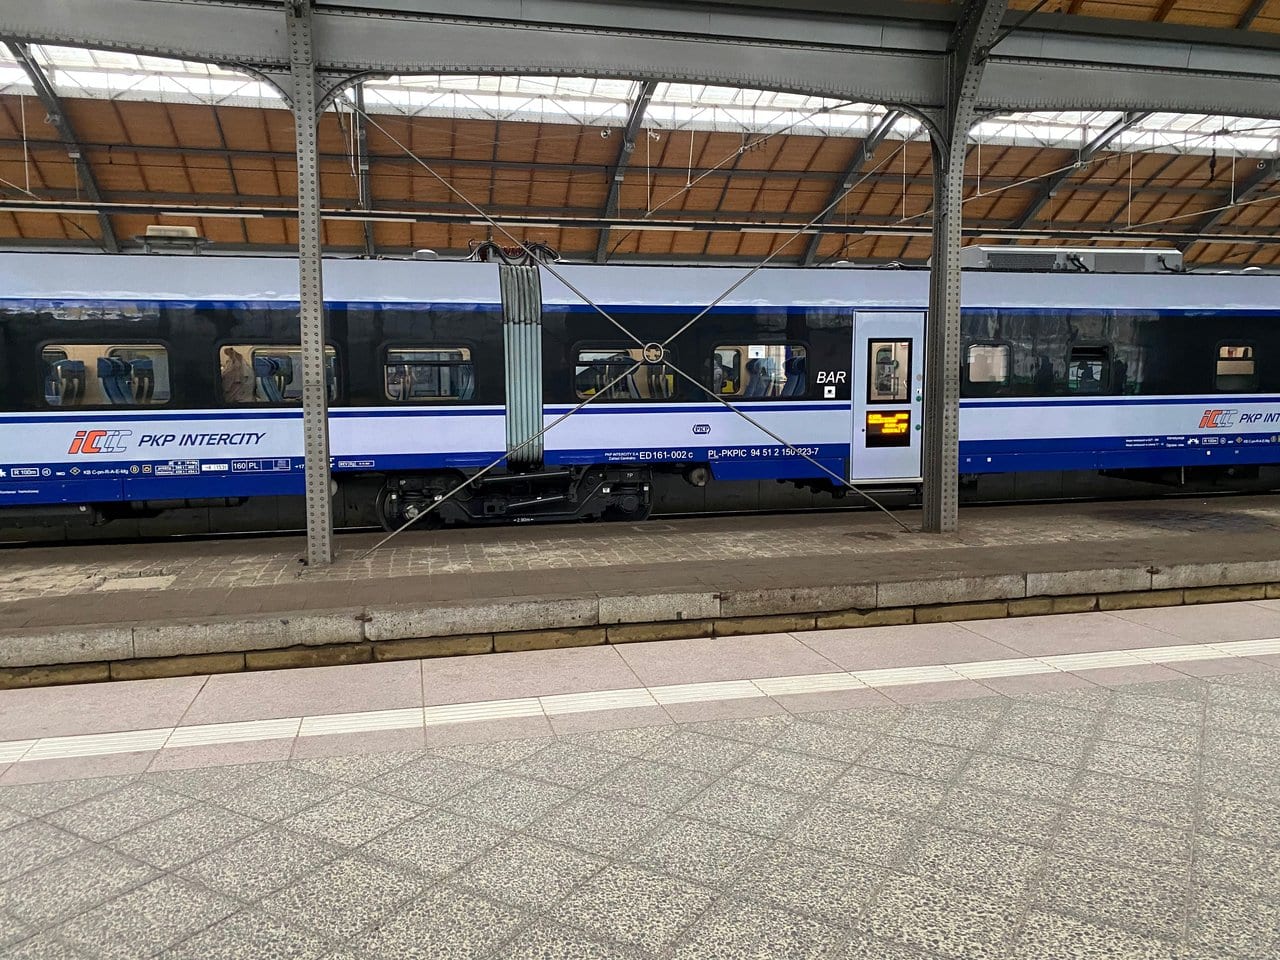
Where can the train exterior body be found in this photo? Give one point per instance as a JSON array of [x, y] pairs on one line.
[[148, 383]]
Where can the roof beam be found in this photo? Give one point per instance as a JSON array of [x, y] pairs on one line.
[[1247, 18], [1091, 149], [58, 117], [635, 117], [870, 143], [1163, 11]]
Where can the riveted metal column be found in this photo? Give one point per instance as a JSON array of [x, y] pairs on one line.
[[315, 400], [974, 34]]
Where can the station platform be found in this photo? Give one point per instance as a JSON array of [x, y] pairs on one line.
[[1103, 784], [80, 613]]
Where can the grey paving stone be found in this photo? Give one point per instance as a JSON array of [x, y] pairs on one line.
[[281, 792], [887, 792], [529, 872], [261, 863], [697, 851], [881, 719], [1240, 818], [865, 947], [633, 906], [252, 935], [761, 731], [601, 825], [1240, 747], [33, 844], [429, 779], [1161, 703], [546, 942], [1144, 846], [1028, 778], [947, 729], [697, 751], [356, 768], [110, 814], [13, 930], [973, 862], [208, 783], [650, 784], [39, 799], [829, 888], [145, 920], [495, 756], [1258, 695], [184, 835], [42, 946], [1007, 815], [1241, 779], [915, 758], [507, 800], [1052, 936], [353, 817], [1077, 698], [633, 742], [736, 929], [1159, 734], [1037, 743], [746, 806], [441, 922], [1228, 923], [799, 773], [72, 885], [834, 742], [864, 835], [1143, 763], [436, 843], [567, 764], [1263, 723], [1222, 864], [942, 920], [988, 708], [11, 818], [1160, 803], [1145, 903], [1030, 711], [345, 897]]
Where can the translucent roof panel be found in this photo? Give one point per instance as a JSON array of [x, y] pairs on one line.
[[600, 102]]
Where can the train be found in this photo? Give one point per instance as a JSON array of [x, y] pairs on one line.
[[158, 394]]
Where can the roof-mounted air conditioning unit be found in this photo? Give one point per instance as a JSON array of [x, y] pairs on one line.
[[1072, 259]]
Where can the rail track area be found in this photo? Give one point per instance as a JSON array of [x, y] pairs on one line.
[[1099, 784]]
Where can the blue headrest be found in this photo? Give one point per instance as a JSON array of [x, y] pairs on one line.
[[141, 365], [70, 368], [270, 366], [112, 367]]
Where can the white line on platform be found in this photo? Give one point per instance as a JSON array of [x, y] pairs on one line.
[[210, 734]]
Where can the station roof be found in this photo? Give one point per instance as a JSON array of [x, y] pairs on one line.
[[716, 174]]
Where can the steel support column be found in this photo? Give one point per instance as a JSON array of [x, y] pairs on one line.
[[974, 34], [58, 117], [311, 319], [635, 117]]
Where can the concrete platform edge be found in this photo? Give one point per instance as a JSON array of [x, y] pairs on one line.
[[90, 653]]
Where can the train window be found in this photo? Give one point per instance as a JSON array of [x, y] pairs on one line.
[[889, 375], [105, 374], [268, 373], [759, 371], [1236, 370], [988, 363], [1089, 370], [428, 373], [597, 367]]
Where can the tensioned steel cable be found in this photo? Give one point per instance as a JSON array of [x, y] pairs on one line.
[[519, 446], [600, 310]]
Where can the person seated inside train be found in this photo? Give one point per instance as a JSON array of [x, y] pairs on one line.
[[237, 377], [1086, 382]]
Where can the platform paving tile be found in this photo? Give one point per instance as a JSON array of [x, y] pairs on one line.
[[528, 872], [40, 799], [146, 920], [916, 758], [1136, 844], [601, 825], [698, 751], [429, 779], [72, 885], [816, 884], [1232, 924], [1053, 936], [742, 929], [648, 783], [208, 783], [747, 806], [634, 906], [436, 843], [352, 817], [43, 946], [508, 800], [1148, 904], [798, 772], [33, 844], [697, 851], [999, 814], [345, 896], [863, 835], [281, 792], [923, 913], [544, 941], [255, 933], [443, 921], [1012, 739], [261, 863], [973, 862], [184, 835], [567, 764], [356, 768]]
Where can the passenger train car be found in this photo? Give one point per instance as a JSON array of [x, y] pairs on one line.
[[154, 394]]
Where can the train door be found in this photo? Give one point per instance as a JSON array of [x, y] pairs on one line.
[[888, 396]]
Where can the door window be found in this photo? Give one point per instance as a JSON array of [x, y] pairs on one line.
[[889, 372]]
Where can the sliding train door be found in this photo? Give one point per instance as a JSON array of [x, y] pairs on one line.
[[888, 396]]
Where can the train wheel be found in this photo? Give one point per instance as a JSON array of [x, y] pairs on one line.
[[398, 502], [631, 508]]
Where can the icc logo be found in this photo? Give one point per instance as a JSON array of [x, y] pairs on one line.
[[100, 441], [1217, 419]]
